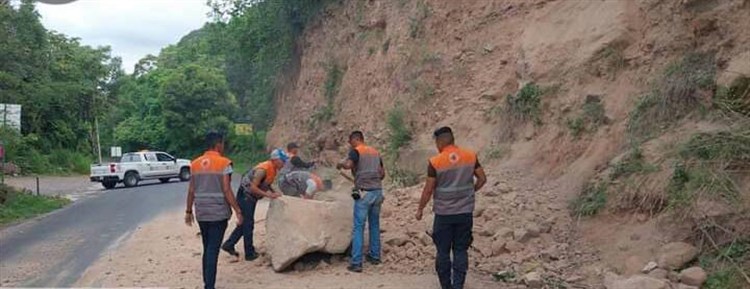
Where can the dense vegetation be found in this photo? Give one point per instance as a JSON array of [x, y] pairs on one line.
[[224, 73]]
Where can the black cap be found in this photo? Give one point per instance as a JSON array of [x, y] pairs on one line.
[[442, 130], [292, 145]]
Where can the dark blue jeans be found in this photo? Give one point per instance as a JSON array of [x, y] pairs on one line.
[[452, 233], [211, 234], [366, 209], [247, 204]]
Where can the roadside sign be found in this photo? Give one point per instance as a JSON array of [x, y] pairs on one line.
[[10, 116], [243, 128], [115, 152]]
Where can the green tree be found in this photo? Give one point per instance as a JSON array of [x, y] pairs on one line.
[[195, 100]]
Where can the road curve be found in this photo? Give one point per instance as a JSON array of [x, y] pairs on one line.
[[55, 250]]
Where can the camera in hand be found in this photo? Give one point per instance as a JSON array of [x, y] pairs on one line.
[[355, 194]]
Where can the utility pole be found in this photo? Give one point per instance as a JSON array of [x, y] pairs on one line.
[[98, 144], [2, 145], [96, 127]]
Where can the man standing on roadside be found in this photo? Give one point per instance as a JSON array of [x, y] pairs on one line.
[[211, 192], [451, 183], [368, 171], [255, 185]]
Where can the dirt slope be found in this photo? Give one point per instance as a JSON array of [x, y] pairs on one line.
[[454, 62]]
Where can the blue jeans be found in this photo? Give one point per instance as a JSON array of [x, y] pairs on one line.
[[247, 204], [452, 233], [366, 208], [211, 234]]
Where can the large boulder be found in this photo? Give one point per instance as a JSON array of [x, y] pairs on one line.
[[693, 276], [295, 227], [675, 255]]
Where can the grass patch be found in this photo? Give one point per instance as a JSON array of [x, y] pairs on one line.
[[734, 99], [632, 163], [497, 152], [592, 199], [576, 126], [721, 275], [675, 95], [416, 22], [610, 59], [403, 178], [16, 205], [707, 164], [398, 132], [331, 89], [421, 88], [526, 104]]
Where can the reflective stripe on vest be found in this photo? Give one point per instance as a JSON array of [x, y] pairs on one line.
[[367, 173], [208, 173], [454, 192]]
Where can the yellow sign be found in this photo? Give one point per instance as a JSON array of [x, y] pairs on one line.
[[243, 128]]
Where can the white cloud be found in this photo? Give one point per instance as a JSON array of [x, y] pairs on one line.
[[133, 28]]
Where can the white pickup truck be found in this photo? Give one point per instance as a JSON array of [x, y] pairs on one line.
[[137, 166]]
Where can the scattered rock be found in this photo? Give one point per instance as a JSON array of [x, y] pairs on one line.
[[533, 280], [533, 230], [522, 235], [574, 279], [639, 282], [514, 246], [634, 265], [693, 276], [504, 233], [498, 247], [485, 233], [659, 273], [397, 241], [485, 248], [546, 226], [425, 240], [649, 267], [676, 255], [295, 227], [683, 286], [490, 96]]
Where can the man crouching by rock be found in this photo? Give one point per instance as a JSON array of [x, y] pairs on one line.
[[367, 169], [302, 184], [450, 182], [255, 185]]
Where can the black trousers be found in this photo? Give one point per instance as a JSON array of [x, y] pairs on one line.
[[247, 204], [452, 234], [211, 234]]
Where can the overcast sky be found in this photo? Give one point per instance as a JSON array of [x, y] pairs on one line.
[[133, 28]]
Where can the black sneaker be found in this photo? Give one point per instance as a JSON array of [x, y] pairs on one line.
[[251, 257], [372, 260], [230, 250], [355, 268]]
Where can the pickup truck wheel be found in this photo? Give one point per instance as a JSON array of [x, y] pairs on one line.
[[109, 184], [131, 179], [185, 174], [164, 180]]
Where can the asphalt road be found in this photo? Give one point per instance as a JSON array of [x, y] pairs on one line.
[[55, 250]]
